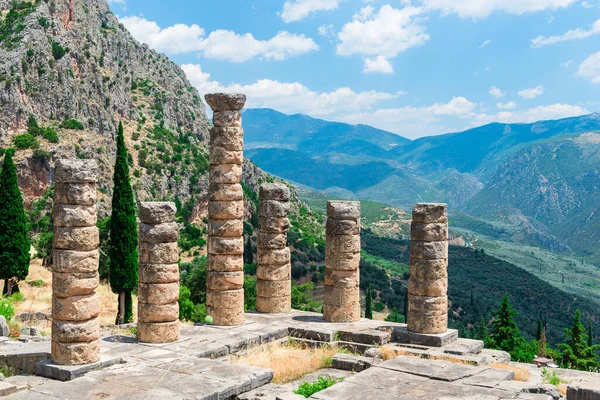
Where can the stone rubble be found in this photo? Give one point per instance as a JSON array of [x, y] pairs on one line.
[[273, 283], [75, 304], [158, 290]]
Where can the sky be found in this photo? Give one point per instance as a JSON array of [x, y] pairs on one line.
[[413, 67]]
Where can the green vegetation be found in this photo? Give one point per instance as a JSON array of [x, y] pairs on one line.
[[577, 352], [7, 308], [58, 51], [307, 389], [302, 298], [35, 130], [26, 141], [72, 124], [14, 241], [369, 303], [13, 23], [123, 250], [39, 225]]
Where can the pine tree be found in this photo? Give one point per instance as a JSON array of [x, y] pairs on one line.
[[575, 351], [540, 329], [123, 250], [543, 344], [14, 241], [590, 334], [369, 304], [505, 333], [482, 332]]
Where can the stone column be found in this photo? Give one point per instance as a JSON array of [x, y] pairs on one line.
[[428, 284], [274, 270], [342, 259], [225, 277], [158, 290], [75, 304]]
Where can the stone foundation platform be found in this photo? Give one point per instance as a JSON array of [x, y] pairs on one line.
[[64, 373]]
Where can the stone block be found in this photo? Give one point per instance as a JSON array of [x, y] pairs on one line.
[[76, 171], [583, 391], [404, 336], [83, 194], [428, 305], [349, 312], [225, 280], [344, 292], [158, 312], [273, 224], [158, 253], [333, 275], [71, 261], [74, 215], [273, 288], [225, 101], [430, 213], [274, 191], [158, 273], [76, 331], [225, 173], [226, 210], [274, 305], [66, 284], [271, 241], [429, 269], [342, 261], [6, 389], [274, 272], [231, 139], [273, 208], [428, 287], [225, 262], [160, 233], [46, 369], [342, 227], [226, 316], [157, 212], [337, 209], [342, 244], [77, 353], [226, 228], [429, 250], [274, 257], [219, 155], [158, 332], [76, 308], [4, 328], [225, 192], [347, 362], [158, 293], [429, 232], [227, 245], [428, 324], [225, 299], [224, 119], [82, 239]]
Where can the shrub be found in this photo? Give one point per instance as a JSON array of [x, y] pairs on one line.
[[323, 382], [379, 306], [41, 155], [26, 141], [50, 135], [7, 309], [72, 124], [58, 51]]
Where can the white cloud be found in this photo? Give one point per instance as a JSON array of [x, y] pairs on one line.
[[379, 65], [532, 93], [497, 93], [566, 64], [385, 33], [290, 97], [507, 106], [295, 10], [483, 8], [484, 44], [554, 111], [574, 34], [590, 68], [220, 44]]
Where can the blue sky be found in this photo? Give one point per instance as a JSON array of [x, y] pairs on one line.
[[416, 68]]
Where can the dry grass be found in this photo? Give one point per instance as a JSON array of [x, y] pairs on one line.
[[562, 388], [387, 353], [289, 361], [521, 374]]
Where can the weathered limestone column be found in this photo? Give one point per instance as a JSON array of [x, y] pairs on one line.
[[75, 304], [342, 259], [428, 284], [274, 270], [225, 278], [158, 290]]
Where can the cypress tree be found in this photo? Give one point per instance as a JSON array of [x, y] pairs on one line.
[[590, 334], [575, 351], [505, 333], [406, 307], [482, 332], [14, 241], [540, 329], [369, 304], [123, 250]]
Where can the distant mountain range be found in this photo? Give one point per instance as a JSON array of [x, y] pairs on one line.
[[542, 180]]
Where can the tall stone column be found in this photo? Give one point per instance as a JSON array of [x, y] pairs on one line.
[[158, 290], [274, 270], [225, 278], [428, 284], [75, 304], [342, 259]]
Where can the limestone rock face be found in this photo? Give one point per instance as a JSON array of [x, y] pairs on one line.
[[158, 271], [225, 278], [428, 283], [342, 260]]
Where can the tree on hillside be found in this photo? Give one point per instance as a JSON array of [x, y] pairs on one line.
[[540, 329], [123, 250], [576, 353], [369, 304], [482, 332], [543, 345], [14, 241], [506, 335], [590, 333]]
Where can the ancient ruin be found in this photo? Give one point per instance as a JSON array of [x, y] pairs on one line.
[[428, 284], [225, 294], [158, 292], [342, 259], [75, 305], [273, 273]]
